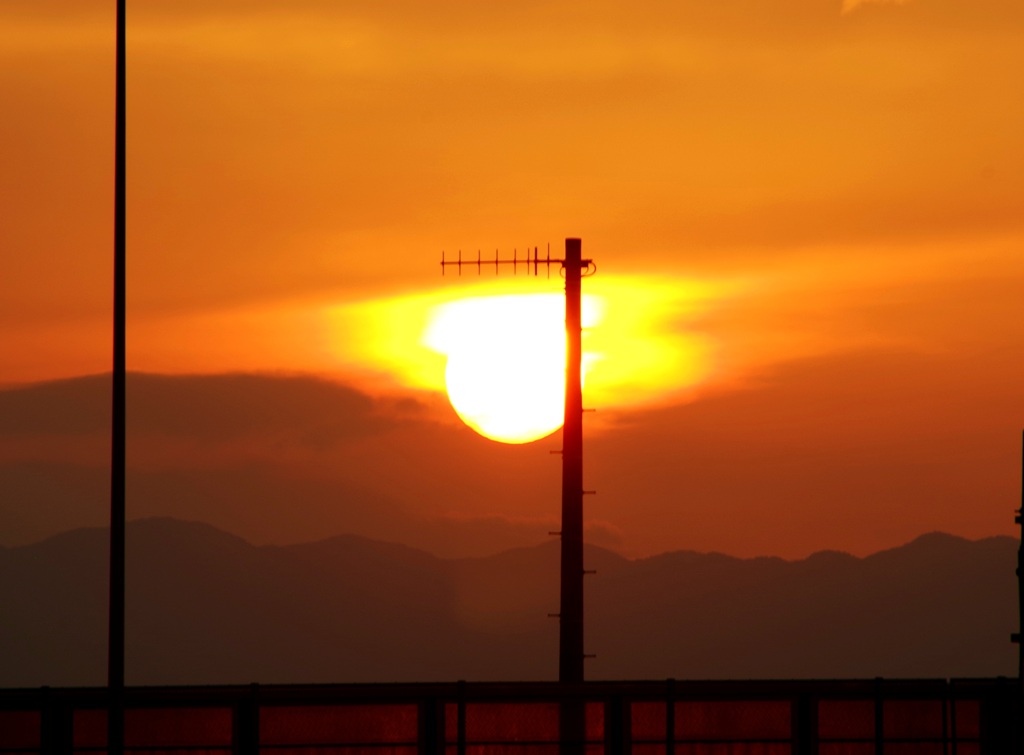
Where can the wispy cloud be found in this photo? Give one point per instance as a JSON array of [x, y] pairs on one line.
[[851, 5], [301, 409]]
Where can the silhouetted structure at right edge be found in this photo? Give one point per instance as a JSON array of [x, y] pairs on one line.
[[1019, 519]]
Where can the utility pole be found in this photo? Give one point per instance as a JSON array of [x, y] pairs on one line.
[[572, 718], [570, 641], [115, 627]]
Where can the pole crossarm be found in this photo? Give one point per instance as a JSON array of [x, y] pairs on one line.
[[532, 259]]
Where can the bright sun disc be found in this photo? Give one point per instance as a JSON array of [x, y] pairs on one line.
[[514, 397], [505, 374]]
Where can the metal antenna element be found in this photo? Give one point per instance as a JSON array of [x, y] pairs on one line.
[[535, 261], [570, 615]]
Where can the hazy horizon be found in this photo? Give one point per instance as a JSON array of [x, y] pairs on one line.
[[277, 458], [496, 547]]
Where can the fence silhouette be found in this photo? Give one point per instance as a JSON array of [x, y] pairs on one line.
[[802, 717]]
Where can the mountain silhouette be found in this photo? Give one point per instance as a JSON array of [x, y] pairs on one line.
[[207, 607]]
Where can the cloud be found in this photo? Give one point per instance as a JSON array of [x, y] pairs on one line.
[[302, 409], [851, 5], [77, 406]]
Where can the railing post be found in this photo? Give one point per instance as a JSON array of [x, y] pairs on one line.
[[55, 723], [460, 718], [879, 717], [247, 723], [616, 726], [431, 726], [805, 725], [670, 717]]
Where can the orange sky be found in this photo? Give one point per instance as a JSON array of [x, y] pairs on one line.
[[824, 198]]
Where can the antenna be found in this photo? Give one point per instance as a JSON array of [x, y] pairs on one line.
[[570, 615], [588, 267]]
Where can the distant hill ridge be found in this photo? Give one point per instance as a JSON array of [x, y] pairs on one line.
[[169, 525], [205, 606]]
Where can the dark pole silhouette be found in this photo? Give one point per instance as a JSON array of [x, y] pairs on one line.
[[115, 648], [570, 641], [1020, 579], [572, 721]]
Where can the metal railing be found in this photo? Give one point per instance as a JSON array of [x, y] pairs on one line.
[[801, 717]]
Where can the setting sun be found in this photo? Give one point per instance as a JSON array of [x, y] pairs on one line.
[[499, 354], [505, 373]]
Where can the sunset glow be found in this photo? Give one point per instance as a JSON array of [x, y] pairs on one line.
[[804, 331], [500, 356]]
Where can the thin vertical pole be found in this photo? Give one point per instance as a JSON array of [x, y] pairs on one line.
[[1020, 579], [570, 647], [115, 649]]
